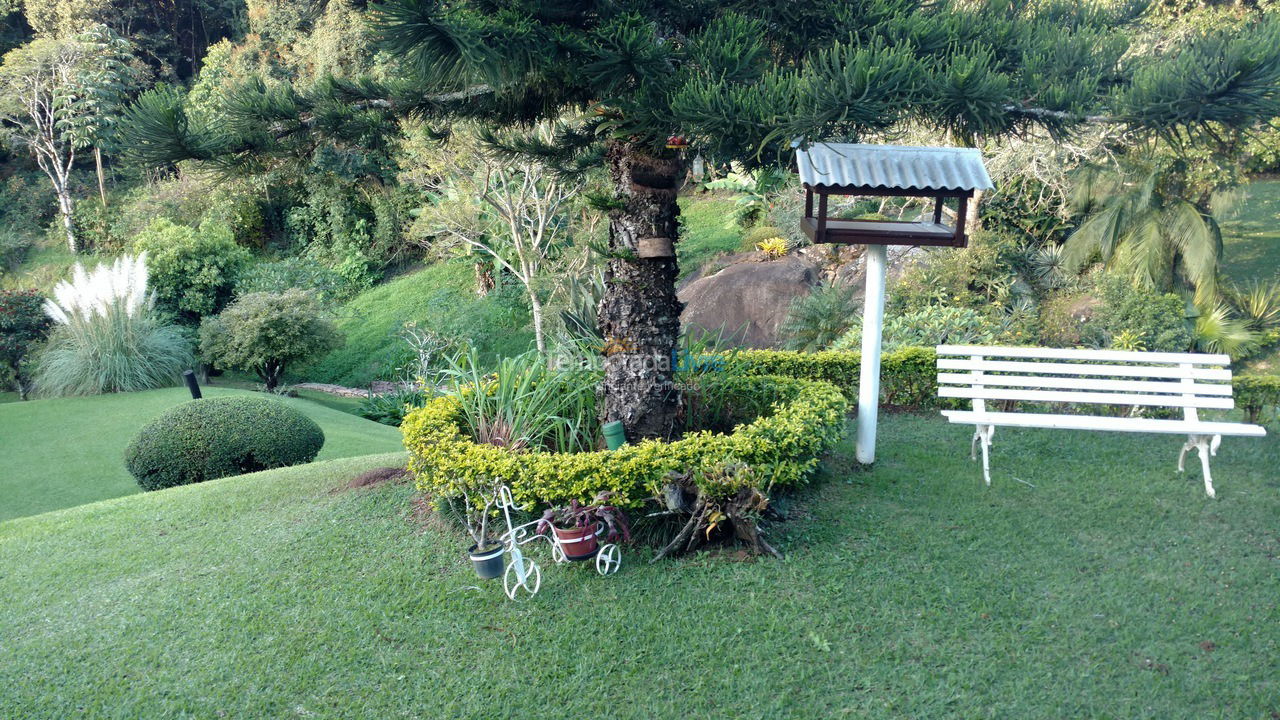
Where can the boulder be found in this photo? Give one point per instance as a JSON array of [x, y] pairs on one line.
[[746, 302]]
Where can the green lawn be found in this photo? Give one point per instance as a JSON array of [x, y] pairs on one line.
[[1251, 239], [1104, 585], [707, 229], [440, 298], [60, 452]]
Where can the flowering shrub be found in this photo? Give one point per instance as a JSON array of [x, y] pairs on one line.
[[107, 337]]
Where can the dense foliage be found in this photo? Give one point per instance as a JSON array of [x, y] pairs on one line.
[[266, 332], [193, 270], [216, 437], [23, 325], [1257, 395]]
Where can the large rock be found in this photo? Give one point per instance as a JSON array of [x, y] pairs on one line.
[[746, 302]]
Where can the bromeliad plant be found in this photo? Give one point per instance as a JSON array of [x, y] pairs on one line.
[[576, 516]]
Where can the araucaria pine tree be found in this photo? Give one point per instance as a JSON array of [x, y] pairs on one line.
[[642, 85]]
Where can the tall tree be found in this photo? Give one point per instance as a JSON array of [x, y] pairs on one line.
[[56, 97], [738, 80]]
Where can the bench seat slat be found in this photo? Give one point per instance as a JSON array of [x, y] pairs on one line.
[[1113, 424], [1082, 383], [1092, 398], [1051, 368], [1131, 356]]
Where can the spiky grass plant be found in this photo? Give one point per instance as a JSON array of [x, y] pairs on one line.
[[1258, 303], [525, 404], [1219, 331], [107, 337]]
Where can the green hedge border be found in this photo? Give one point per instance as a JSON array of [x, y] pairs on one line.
[[808, 418], [1256, 394], [908, 377]]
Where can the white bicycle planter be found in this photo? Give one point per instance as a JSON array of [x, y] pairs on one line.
[[523, 573]]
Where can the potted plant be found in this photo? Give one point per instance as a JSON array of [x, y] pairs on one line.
[[486, 553], [578, 527]]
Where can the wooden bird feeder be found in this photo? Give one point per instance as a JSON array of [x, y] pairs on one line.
[[886, 171], [889, 171]]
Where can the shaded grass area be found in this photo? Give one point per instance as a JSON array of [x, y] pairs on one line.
[[1112, 588], [707, 229], [440, 298], [1251, 239], [60, 452]]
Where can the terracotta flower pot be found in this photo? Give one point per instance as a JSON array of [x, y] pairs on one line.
[[577, 543], [488, 564]]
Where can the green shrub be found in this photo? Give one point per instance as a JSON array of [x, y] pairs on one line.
[[193, 271], [818, 319], [930, 326], [281, 275], [806, 418], [217, 437], [107, 337], [266, 332], [1256, 394], [1159, 319], [23, 324], [908, 377]]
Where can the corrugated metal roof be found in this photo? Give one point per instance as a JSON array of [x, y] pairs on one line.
[[895, 167]]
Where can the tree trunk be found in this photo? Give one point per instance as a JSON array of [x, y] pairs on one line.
[[102, 179], [639, 314], [535, 309], [66, 208]]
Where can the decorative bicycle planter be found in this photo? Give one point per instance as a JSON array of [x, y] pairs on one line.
[[524, 574]]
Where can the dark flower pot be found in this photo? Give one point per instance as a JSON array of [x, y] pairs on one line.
[[577, 543], [488, 564]]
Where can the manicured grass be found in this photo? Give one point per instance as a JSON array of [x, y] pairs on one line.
[[1251, 239], [707, 229], [60, 452], [440, 298], [1104, 586]]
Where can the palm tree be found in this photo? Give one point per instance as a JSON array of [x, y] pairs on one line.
[[1142, 224]]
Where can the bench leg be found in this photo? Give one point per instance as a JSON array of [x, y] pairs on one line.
[[1206, 446], [983, 434]]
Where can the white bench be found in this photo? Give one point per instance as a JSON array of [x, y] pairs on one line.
[[1190, 381]]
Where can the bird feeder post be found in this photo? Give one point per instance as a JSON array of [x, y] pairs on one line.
[[885, 171], [869, 370]]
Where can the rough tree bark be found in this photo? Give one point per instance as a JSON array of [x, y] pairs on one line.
[[639, 314]]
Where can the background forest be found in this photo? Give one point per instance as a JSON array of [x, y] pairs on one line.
[[414, 243]]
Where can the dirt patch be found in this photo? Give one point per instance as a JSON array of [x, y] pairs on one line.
[[377, 476]]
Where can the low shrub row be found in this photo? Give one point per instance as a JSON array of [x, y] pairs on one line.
[[908, 377], [802, 419]]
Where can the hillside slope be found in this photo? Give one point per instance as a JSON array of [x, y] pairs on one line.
[[61, 452]]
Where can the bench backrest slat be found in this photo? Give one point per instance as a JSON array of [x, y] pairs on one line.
[[1085, 383], [1094, 398], [1173, 372], [1189, 381], [1127, 356]]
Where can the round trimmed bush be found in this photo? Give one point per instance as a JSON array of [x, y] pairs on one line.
[[216, 437]]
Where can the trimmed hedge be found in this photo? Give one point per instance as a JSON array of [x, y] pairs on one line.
[[217, 437], [804, 418], [908, 377], [1256, 394]]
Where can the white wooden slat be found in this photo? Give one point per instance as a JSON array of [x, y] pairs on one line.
[[1112, 424], [1093, 398], [1133, 356], [1028, 368], [1083, 383]]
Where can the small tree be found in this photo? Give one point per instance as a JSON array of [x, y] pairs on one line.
[[193, 270], [265, 332], [23, 324]]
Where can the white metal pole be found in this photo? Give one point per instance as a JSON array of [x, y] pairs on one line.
[[869, 380]]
